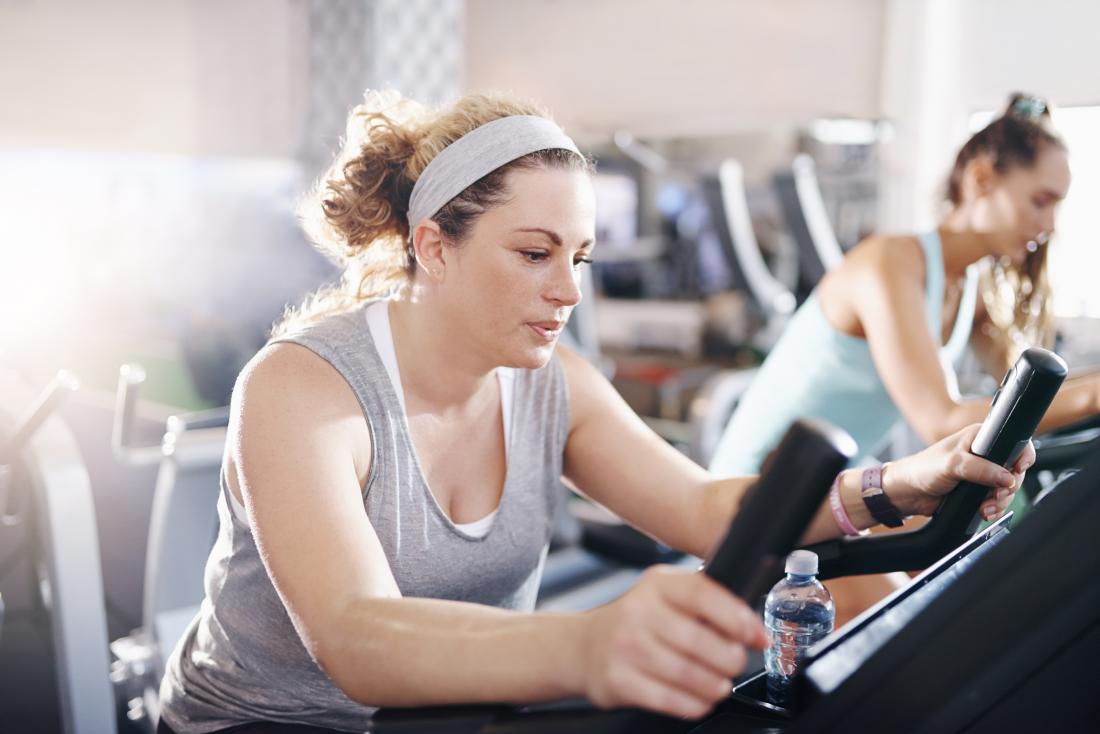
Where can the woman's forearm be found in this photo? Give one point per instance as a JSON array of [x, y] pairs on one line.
[[720, 501], [725, 500], [421, 652], [1079, 398]]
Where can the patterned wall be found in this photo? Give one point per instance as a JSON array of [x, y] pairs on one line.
[[413, 46], [419, 48]]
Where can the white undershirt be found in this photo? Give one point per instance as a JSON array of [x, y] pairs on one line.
[[378, 321]]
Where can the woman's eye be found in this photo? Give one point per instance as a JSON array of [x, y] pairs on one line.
[[582, 260], [534, 255]]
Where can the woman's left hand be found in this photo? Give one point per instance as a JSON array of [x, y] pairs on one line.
[[918, 483]]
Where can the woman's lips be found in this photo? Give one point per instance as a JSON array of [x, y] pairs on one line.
[[547, 330]]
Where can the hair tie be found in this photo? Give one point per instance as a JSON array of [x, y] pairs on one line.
[[1029, 107]]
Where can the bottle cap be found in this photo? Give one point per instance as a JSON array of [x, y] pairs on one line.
[[802, 563]]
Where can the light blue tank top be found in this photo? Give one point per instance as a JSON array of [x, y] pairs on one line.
[[816, 371]]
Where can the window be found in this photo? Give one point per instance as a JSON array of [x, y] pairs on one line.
[[1075, 257]]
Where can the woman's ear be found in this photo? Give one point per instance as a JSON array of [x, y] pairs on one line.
[[428, 248], [978, 178]]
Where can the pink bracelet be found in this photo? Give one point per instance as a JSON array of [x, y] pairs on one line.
[[837, 507]]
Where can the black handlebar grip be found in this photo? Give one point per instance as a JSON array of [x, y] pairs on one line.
[[1018, 405], [1021, 401], [777, 509]]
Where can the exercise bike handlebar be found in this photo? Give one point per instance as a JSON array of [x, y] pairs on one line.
[[130, 379], [212, 422], [63, 384], [776, 510], [1018, 405]]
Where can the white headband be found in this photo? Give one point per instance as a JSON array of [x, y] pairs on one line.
[[478, 153]]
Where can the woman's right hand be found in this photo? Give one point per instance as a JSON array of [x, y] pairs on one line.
[[672, 644]]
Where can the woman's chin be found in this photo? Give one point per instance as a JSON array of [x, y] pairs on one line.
[[532, 358]]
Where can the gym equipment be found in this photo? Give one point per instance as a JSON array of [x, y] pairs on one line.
[[46, 503], [1059, 453], [808, 221], [726, 198], [800, 470], [1011, 648], [773, 302], [182, 529], [1019, 404]]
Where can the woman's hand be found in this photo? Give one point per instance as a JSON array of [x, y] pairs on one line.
[[917, 483], [671, 644]]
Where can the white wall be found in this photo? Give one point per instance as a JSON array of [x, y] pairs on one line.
[[1048, 48], [173, 76], [694, 67], [921, 97], [945, 59]]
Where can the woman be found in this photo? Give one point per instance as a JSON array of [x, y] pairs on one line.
[[394, 456], [864, 350]]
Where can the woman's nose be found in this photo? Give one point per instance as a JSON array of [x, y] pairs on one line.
[[566, 288]]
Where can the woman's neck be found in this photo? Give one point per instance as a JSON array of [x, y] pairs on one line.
[[962, 244], [436, 367]]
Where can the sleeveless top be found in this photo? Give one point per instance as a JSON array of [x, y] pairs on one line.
[[241, 659], [378, 322], [816, 371]]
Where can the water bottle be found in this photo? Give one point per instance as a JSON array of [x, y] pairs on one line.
[[798, 612]]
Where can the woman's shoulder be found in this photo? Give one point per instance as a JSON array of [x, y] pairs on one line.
[[292, 375], [287, 392], [888, 248], [887, 256]]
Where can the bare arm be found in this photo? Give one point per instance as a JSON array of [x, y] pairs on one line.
[[1078, 399], [299, 453], [613, 457], [883, 287], [890, 305]]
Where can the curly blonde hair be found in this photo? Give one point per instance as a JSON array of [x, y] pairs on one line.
[[356, 214]]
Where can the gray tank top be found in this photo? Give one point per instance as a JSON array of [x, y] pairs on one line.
[[241, 659]]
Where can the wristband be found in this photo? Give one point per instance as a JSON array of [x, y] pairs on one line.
[[839, 513]]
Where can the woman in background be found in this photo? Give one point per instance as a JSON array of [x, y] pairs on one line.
[[875, 342], [872, 345]]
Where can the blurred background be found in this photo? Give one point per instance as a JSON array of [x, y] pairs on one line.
[[152, 153]]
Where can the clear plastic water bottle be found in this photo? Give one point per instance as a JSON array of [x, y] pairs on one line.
[[798, 612]]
